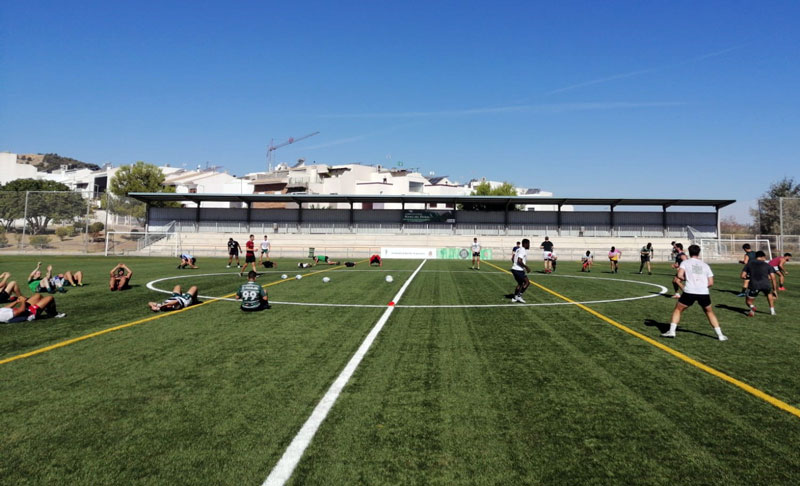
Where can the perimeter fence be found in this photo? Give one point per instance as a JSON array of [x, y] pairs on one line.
[[779, 217]]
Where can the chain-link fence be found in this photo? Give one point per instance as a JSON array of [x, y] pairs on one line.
[[781, 217]]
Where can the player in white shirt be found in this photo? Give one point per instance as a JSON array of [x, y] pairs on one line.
[[264, 250], [476, 254], [698, 279], [520, 270]]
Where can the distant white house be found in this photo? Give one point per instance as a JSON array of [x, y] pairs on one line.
[[10, 170]]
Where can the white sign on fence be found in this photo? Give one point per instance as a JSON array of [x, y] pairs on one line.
[[409, 253]]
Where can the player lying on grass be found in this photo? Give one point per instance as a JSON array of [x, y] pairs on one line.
[[699, 278], [761, 278], [375, 260], [53, 283], [323, 259], [178, 300], [269, 264], [253, 296], [120, 277], [29, 309], [778, 264], [187, 260], [9, 289], [520, 271], [587, 261]]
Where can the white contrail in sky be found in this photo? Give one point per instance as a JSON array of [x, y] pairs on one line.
[[642, 71]]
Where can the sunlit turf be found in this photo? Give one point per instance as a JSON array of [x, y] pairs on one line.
[[497, 395]]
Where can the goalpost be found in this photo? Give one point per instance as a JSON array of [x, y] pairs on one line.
[[133, 242], [731, 248]]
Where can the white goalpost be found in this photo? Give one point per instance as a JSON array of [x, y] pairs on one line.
[[133, 242], [730, 249]]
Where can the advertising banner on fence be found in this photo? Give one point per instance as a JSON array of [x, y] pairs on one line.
[[461, 253], [409, 253]]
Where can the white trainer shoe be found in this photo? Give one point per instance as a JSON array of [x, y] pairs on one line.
[[723, 338], [668, 335], [520, 299]]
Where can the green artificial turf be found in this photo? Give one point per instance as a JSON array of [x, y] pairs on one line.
[[497, 395]]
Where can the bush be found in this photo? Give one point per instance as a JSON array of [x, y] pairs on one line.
[[39, 241], [96, 228], [78, 228], [65, 232], [3, 238]]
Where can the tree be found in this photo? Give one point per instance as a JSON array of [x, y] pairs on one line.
[[767, 215], [730, 226], [46, 205], [485, 189], [12, 205], [139, 177]]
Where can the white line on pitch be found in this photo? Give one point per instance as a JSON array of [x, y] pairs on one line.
[[284, 468]]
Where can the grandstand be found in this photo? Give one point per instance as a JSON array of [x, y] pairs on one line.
[[368, 223]]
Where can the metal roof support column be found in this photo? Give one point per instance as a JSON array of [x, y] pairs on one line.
[[612, 218], [249, 215], [716, 219], [505, 216], [664, 220], [455, 217], [299, 214], [352, 216], [146, 215], [558, 221], [197, 217]]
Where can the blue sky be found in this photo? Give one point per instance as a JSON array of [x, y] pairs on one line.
[[629, 99]]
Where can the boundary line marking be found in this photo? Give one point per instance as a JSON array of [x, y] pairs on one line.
[[725, 377], [283, 470], [134, 323]]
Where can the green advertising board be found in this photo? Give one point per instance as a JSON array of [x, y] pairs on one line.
[[422, 216], [461, 254]]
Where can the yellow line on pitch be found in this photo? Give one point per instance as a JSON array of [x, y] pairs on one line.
[[744, 386], [140, 321]]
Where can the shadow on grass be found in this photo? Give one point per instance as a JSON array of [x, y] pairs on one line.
[[734, 292], [738, 310], [664, 327]]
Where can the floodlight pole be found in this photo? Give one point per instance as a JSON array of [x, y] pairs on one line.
[[24, 221]]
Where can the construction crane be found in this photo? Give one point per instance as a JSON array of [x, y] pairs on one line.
[[272, 148]]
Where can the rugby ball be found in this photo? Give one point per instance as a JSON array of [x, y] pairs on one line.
[[298, 277], [389, 279], [284, 276], [325, 279]]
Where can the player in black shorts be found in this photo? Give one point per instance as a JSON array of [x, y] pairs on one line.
[[375, 260], [761, 279], [749, 256], [233, 252], [178, 300], [9, 290], [677, 283]]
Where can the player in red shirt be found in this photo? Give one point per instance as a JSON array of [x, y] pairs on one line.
[[250, 255], [375, 260], [777, 263]]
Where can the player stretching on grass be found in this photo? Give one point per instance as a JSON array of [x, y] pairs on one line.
[[613, 257], [250, 255], [233, 252], [476, 254], [520, 270], [178, 300], [37, 307], [761, 278], [9, 290], [375, 260], [777, 263], [253, 296], [120, 277], [699, 279], [323, 259], [677, 283], [187, 260]]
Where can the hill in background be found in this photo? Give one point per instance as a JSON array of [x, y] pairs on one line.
[[51, 162]]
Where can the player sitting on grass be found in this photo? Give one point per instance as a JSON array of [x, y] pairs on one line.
[[761, 278], [253, 296], [120, 277], [587, 261], [187, 260], [36, 307], [699, 279], [375, 260], [178, 300], [9, 290], [778, 264], [323, 259]]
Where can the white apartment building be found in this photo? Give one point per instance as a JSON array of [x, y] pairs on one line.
[[10, 170]]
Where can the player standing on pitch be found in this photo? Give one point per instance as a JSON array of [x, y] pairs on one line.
[[264, 249], [760, 278], [249, 255], [547, 248], [476, 254], [699, 279], [233, 252], [520, 271]]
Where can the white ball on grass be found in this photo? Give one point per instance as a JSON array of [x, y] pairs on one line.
[[284, 276], [298, 276], [389, 279], [326, 279]]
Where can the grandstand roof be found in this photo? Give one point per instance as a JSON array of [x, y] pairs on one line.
[[150, 197]]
